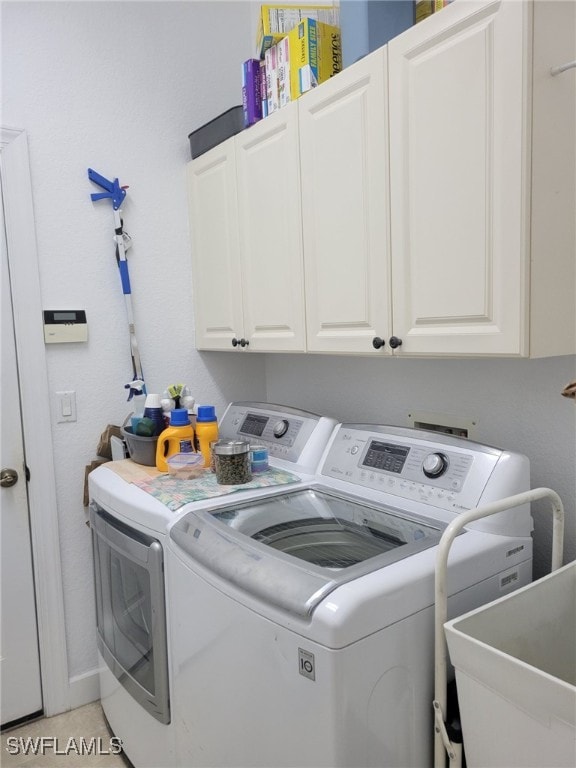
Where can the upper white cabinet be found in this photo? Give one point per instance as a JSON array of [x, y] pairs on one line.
[[345, 203], [421, 202], [482, 173], [268, 182], [247, 240], [215, 248]]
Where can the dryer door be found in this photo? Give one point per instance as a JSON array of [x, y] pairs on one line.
[[130, 610], [294, 548]]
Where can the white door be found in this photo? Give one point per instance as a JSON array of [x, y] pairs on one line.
[[345, 209], [459, 185], [21, 693], [215, 251], [269, 221]]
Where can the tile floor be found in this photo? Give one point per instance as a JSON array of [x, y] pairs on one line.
[[69, 733]]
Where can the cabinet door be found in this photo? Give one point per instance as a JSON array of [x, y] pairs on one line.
[[268, 178], [459, 177], [345, 210], [215, 252]]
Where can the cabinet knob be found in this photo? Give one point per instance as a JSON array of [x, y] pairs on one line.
[[395, 342], [234, 342], [377, 342], [244, 343]]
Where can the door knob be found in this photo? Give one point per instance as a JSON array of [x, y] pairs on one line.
[[235, 342], [395, 342], [377, 342], [8, 477], [244, 342]]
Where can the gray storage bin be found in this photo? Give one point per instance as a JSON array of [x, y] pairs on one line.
[[142, 450], [216, 131]]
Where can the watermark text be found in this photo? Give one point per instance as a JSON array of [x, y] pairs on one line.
[[45, 745]]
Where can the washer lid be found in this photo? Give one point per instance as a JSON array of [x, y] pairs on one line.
[[293, 549]]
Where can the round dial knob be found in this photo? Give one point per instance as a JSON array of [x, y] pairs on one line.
[[281, 427], [435, 464]]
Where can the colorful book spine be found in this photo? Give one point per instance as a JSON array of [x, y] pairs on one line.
[[283, 63], [251, 89], [270, 58], [263, 93]]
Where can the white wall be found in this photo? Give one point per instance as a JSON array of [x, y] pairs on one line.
[[516, 403], [118, 86]]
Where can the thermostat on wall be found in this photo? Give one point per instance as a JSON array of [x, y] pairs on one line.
[[63, 325]]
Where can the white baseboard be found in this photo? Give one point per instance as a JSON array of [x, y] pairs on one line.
[[84, 689]]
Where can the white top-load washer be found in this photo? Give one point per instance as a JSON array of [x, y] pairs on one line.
[[302, 621], [129, 527]]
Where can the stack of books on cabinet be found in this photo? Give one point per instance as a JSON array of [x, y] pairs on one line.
[[297, 48]]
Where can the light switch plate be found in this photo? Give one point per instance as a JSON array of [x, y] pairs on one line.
[[66, 406]]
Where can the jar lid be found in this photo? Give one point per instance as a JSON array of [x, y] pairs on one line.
[[231, 447], [206, 413]]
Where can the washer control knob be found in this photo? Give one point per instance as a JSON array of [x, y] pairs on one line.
[[281, 427], [435, 464]]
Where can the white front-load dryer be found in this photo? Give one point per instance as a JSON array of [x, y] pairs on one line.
[[129, 542], [129, 533], [303, 622]]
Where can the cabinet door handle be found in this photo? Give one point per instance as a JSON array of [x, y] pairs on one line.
[[244, 342], [235, 342], [563, 68], [377, 342], [395, 342]]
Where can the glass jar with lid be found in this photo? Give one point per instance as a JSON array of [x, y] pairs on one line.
[[232, 462]]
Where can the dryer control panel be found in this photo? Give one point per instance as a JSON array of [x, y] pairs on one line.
[[291, 434], [438, 470]]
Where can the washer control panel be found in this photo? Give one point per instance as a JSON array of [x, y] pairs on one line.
[[443, 471]]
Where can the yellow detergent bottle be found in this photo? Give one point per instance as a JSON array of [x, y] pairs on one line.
[[177, 438], [206, 431]]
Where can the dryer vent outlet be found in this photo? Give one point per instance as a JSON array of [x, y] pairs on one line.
[[445, 423]]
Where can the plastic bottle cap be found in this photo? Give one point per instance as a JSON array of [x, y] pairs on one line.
[[152, 401], [206, 413], [179, 417]]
